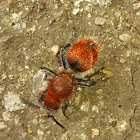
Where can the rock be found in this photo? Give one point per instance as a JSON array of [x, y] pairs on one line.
[[108, 73], [39, 83], [4, 39], [95, 132], [122, 60], [30, 131], [136, 5], [55, 49], [10, 2], [16, 16], [6, 116], [32, 29], [75, 11], [95, 109], [85, 106], [102, 2], [99, 91], [122, 125], [39, 132], [125, 37], [2, 125], [128, 53], [12, 102], [17, 118], [100, 21]]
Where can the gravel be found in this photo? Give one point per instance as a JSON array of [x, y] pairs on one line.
[[12, 102]]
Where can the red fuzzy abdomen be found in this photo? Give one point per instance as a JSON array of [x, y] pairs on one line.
[[59, 89], [50, 101], [83, 55]]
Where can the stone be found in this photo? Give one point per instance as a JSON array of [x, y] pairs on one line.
[[2, 125], [85, 106], [6, 116], [100, 21], [12, 102], [75, 11], [39, 82], [122, 60], [136, 5], [55, 49], [103, 2], [95, 132], [125, 37]]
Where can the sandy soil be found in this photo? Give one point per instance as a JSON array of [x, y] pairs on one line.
[[109, 110]]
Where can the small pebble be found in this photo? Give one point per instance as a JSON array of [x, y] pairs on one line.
[[24, 25], [2, 125], [4, 76], [99, 91], [16, 16], [62, 1], [85, 106], [138, 13], [27, 67], [32, 29], [83, 136], [103, 2], [19, 27], [30, 131], [136, 5], [95, 132], [6, 116], [122, 60], [35, 121], [39, 132], [55, 49], [76, 11], [125, 37], [89, 15], [100, 21], [128, 53], [10, 76], [122, 125], [39, 82], [108, 73], [12, 102], [95, 109], [17, 120], [10, 2], [4, 39], [2, 88]]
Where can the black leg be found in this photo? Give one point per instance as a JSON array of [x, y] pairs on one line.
[[64, 107], [91, 80], [61, 55], [45, 68], [96, 72], [29, 103], [63, 50], [53, 118], [42, 97]]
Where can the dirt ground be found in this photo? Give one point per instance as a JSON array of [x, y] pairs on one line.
[[109, 110]]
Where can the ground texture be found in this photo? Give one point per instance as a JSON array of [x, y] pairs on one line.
[[109, 110]]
